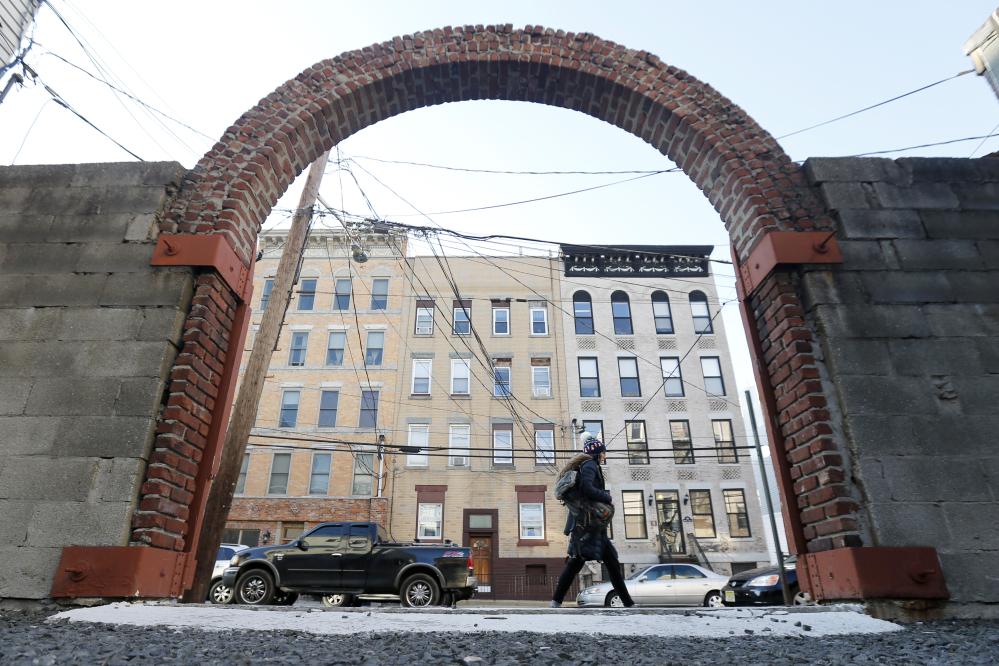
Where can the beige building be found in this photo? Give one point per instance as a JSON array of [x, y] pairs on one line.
[[332, 377]]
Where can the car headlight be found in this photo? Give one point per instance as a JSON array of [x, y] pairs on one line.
[[590, 590], [763, 581], [234, 561]]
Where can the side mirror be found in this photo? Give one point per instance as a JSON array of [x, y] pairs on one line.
[[642, 579], [300, 544]]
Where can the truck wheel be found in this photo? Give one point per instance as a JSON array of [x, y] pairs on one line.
[[220, 594], [419, 591], [338, 600], [255, 588], [447, 599]]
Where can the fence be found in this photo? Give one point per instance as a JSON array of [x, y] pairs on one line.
[[521, 587]]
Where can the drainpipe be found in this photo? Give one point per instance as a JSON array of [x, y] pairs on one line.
[[381, 463]]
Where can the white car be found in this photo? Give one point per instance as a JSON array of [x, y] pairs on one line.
[[662, 585], [219, 593]]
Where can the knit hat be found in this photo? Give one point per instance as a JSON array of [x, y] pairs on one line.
[[593, 446]]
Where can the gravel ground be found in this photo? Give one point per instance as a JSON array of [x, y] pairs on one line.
[[25, 638]]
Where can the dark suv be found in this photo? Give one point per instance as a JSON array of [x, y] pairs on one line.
[[761, 586]]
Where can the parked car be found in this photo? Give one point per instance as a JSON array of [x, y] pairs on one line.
[[347, 563], [661, 585], [219, 593], [761, 586]]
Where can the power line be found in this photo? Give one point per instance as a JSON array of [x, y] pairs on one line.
[[926, 145], [511, 173]]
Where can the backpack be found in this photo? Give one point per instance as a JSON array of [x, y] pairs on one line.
[[592, 516]]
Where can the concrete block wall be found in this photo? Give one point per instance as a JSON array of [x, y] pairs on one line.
[[909, 330], [88, 333]]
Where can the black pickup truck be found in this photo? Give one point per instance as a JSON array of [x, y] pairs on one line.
[[347, 563]]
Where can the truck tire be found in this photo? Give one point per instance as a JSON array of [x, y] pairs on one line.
[[338, 600], [420, 591], [284, 598], [255, 588]]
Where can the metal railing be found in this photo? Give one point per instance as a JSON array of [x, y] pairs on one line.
[[521, 587]]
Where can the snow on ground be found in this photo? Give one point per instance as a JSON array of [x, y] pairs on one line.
[[713, 623]]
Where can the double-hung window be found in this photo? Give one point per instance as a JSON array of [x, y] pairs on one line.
[[589, 378], [369, 410], [319, 479], [379, 294], [738, 516], [462, 318], [421, 376], [532, 520], [592, 428], [461, 374], [376, 345], [503, 444], [307, 295], [341, 301], [700, 312], [634, 514], [621, 309], [582, 312], [299, 349], [628, 369], [724, 442], [501, 381], [424, 318], [241, 480], [672, 379], [661, 312], [429, 521], [458, 453], [334, 347], [419, 438], [328, 403], [289, 409], [638, 443], [541, 381], [683, 448], [704, 517], [539, 321], [713, 383], [501, 320], [265, 295], [364, 472], [280, 467], [544, 447]]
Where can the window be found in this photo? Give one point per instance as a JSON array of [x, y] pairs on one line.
[[503, 444], [589, 378], [249, 538], [634, 514], [670, 522], [621, 310], [241, 481], [738, 517], [421, 377], [334, 348], [424, 317], [711, 367], [328, 402], [299, 348], [704, 519], [369, 410], [327, 536], [501, 381], [724, 442], [541, 380], [683, 451], [280, 466], [544, 447], [419, 437], [291, 531], [539, 321], [582, 311], [307, 295], [628, 369], [460, 375], [429, 521], [661, 313], [462, 317], [379, 294], [319, 479], [289, 409], [501, 321], [672, 379], [358, 537], [458, 453], [638, 444], [341, 301], [364, 472], [686, 572], [701, 314], [266, 294], [376, 345], [595, 428], [532, 521]]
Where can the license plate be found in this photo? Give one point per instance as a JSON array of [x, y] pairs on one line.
[[729, 595]]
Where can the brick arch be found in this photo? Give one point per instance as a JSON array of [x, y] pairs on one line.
[[742, 170]]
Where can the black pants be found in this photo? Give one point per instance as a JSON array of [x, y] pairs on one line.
[[575, 565]]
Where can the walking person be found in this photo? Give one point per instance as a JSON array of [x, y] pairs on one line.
[[587, 545]]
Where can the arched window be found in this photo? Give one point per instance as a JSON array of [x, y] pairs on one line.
[[700, 312], [582, 310], [621, 310], [660, 310]]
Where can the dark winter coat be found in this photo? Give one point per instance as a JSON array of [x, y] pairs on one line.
[[589, 546]]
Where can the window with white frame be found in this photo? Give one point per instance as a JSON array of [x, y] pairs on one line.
[[299, 349], [375, 348], [421, 376], [672, 380], [265, 295], [541, 381], [661, 312], [429, 521], [539, 321], [307, 295], [503, 444], [458, 446], [501, 321], [288, 417], [713, 383], [544, 447], [379, 294], [532, 520], [425, 320], [461, 374], [319, 479], [419, 437], [369, 410], [700, 312], [364, 473], [328, 403], [241, 481], [462, 319], [501, 381], [341, 301], [335, 346], [280, 467]]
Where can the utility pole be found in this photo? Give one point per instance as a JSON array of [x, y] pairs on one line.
[[788, 601], [245, 411]]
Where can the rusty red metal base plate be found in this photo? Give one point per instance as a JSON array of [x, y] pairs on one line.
[[874, 573], [122, 571]]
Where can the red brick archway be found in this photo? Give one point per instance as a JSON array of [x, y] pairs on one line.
[[751, 182]]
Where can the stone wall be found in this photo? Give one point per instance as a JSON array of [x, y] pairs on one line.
[[88, 334], [908, 328]]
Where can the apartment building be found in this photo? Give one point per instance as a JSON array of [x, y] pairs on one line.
[[649, 373], [332, 377], [483, 413]]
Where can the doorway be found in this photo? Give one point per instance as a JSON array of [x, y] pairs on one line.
[[482, 561]]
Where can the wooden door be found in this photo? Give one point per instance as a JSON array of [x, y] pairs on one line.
[[482, 561]]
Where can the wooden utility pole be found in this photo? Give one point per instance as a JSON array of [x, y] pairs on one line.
[[245, 411]]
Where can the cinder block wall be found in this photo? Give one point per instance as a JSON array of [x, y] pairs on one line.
[[88, 332], [908, 326]]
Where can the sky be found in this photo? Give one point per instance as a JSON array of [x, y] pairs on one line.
[[789, 64]]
